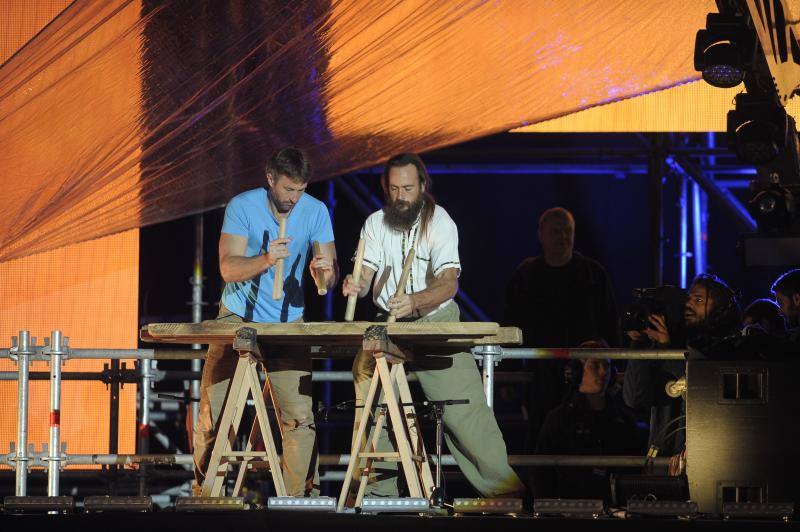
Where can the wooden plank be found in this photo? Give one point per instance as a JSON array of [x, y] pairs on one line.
[[503, 336], [333, 332], [507, 336], [380, 455]]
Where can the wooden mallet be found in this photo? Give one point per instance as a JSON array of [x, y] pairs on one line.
[[350, 311], [277, 286], [319, 279], [401, 287]]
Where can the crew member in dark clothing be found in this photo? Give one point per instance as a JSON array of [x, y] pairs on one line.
[[786, 291], [711, 311], [590, 422], [558, 299], [764, 315]]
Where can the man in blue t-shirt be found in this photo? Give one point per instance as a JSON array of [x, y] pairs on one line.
[[249, 248]]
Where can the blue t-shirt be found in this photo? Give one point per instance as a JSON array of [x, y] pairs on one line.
[[248, 215]]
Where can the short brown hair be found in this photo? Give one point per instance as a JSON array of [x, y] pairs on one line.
[[291, 162], [557, 213]]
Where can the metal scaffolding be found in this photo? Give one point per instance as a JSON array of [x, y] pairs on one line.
[[56, 350]]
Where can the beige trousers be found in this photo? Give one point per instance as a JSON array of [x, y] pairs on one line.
[[470, 431], [290, 378]]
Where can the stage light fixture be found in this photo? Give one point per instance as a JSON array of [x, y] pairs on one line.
[[29, 504], [723, 51], [487, 506], [573, 508], [662, 508], [758, 129], [104, 503], [758, 510], [302, 504], [629, 487], [209, 504], [773, 208], [376, 505]]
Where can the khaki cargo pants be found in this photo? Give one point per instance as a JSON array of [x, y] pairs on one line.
[[470, 431], [290, 379]]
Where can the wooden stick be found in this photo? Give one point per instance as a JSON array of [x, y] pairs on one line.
[[350, 311], [320, 280], [401, 287], [277, 286]]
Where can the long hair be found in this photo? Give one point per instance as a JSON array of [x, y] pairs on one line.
[[725, 317], [429, 203]]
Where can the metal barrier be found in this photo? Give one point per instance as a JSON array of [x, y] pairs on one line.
[[56, 350], [488, 356], [520, 460]]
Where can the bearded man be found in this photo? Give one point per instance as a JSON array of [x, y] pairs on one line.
[[249, 248], [412, 220], [711, 311]]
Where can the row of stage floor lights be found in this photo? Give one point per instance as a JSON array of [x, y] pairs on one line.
[[541, 508]]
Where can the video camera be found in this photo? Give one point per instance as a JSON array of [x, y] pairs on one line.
[[667, 300]]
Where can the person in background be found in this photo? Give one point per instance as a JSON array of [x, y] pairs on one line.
[[559, 299], [766, 315], [590, 422], [711, 311]]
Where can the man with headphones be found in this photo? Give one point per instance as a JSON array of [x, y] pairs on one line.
[[591, 421], [711, 310]]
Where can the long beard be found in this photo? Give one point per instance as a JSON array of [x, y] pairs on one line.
[[401, 215]]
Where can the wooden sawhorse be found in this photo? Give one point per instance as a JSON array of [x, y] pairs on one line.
[[391, 386], [244, 384]]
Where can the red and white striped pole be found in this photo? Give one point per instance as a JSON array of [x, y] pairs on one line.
[[57, 347]]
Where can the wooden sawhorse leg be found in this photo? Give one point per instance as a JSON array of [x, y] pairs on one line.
[[410, 450], [255, 432], [244, 384]]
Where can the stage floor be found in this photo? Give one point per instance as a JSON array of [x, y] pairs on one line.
[[261, 521]]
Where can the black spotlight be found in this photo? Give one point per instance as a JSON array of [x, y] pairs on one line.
[[773, 208], [757, 129], [723, 51]]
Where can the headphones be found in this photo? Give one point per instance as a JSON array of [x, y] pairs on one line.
[[723, 315], [573, 368]]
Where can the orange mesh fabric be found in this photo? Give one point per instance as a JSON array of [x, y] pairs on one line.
[[121, 114], [88, 290]]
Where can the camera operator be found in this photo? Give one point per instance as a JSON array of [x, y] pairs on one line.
[[711, 310]]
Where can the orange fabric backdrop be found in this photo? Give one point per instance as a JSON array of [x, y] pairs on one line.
[[89, 291], [194, 95], [692, 107]]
